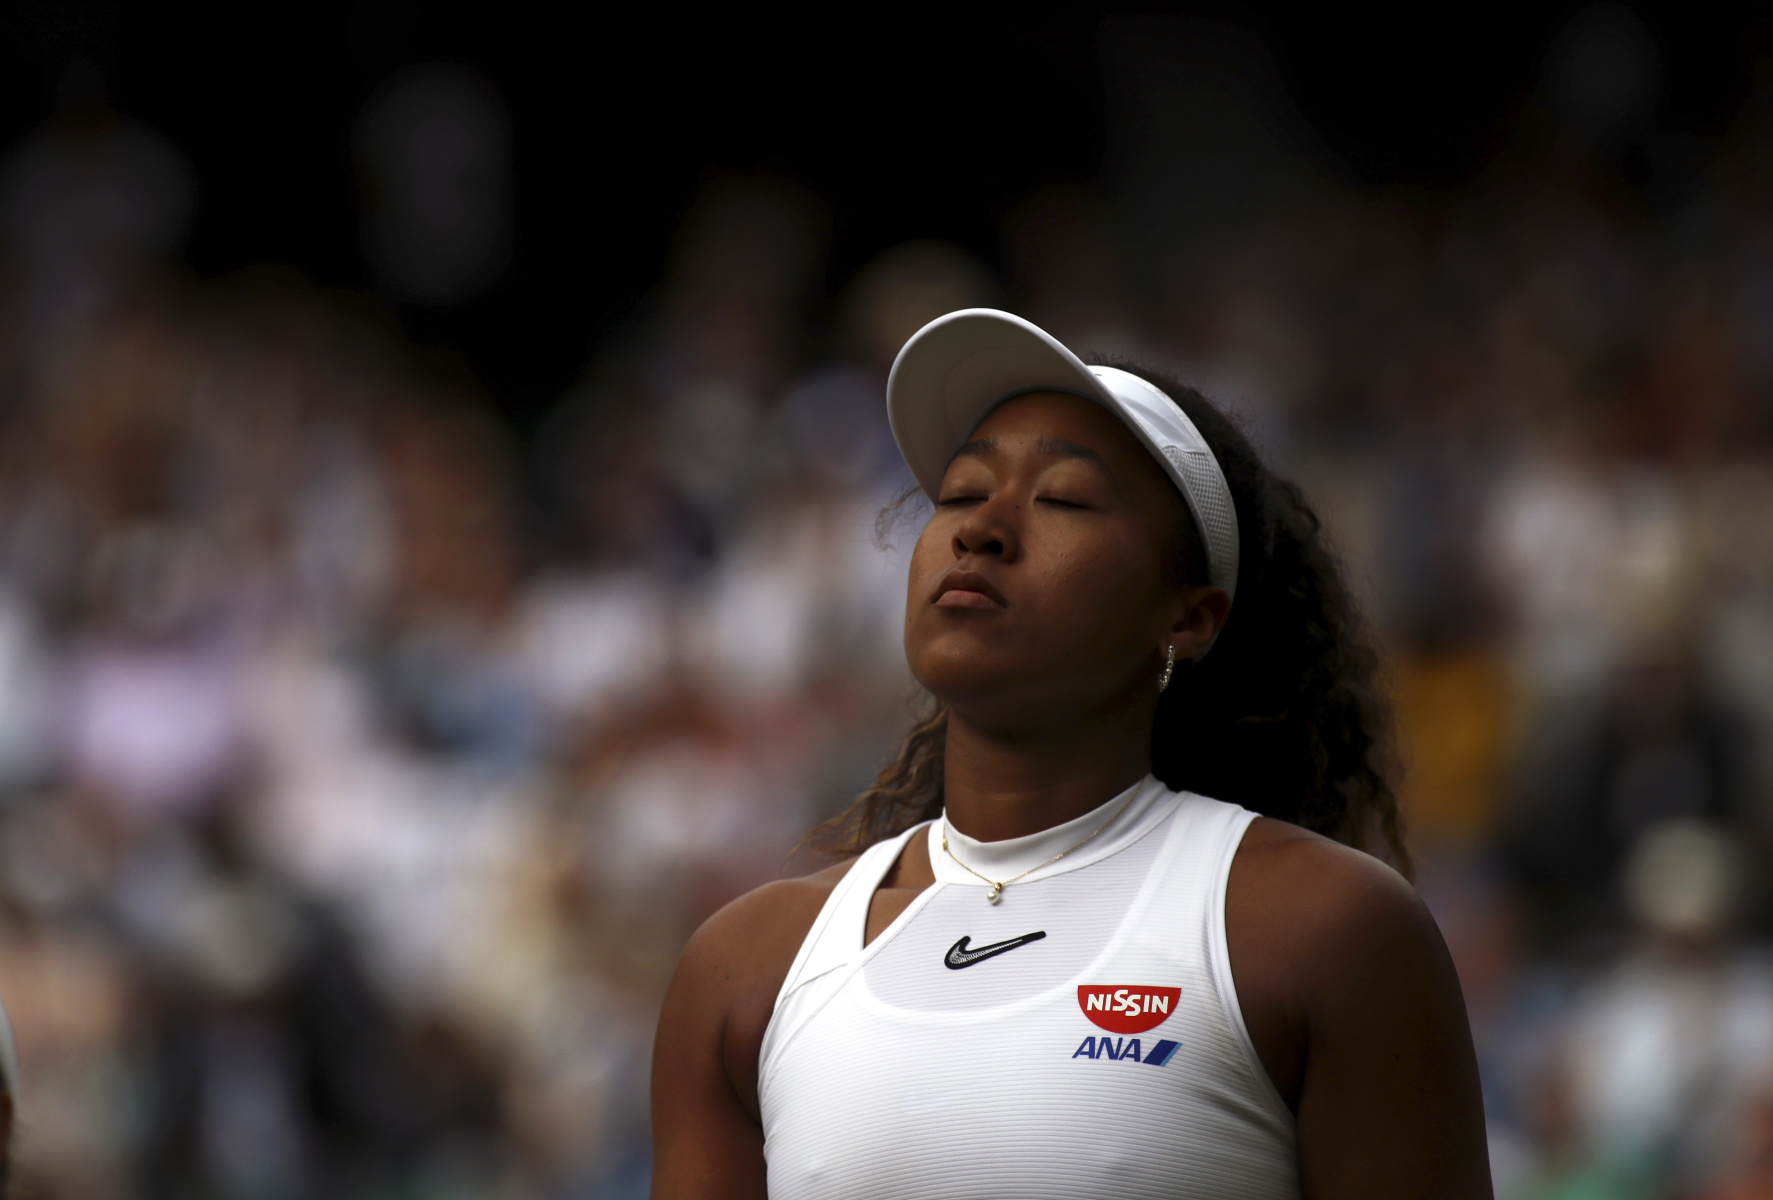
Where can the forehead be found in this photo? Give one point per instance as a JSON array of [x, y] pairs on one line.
[[1037, 416]]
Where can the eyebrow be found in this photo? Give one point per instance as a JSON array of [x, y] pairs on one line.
[[1058, 447], [1064, 449]]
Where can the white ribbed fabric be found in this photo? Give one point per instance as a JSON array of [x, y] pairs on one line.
[[888, 1073]]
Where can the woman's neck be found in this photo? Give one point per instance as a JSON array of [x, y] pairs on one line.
[[996, 787]]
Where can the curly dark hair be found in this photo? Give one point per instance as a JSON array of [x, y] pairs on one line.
[[1285, 717]]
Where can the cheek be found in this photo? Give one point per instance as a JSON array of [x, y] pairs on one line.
[[929, 558], [1100, 605], [1101, 585]]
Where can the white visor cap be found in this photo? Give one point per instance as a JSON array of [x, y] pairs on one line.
[[959, 367]]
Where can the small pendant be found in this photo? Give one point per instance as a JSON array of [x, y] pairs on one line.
[[995, 894]]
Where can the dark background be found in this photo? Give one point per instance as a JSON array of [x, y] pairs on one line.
[[929, 124], [366, 762]]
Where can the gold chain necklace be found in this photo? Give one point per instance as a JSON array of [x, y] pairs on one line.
[[997, 887]]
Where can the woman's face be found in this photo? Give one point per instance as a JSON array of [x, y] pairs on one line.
[[1047, 584]]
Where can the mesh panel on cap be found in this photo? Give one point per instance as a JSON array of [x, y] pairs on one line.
[[1218, 523]]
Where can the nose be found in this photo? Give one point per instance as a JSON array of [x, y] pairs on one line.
[[991, 529]]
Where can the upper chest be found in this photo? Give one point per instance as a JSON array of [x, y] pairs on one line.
[[1093, 999], [950, 951]]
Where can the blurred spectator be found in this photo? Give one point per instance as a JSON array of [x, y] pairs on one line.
[[1667, 1054], [433, 153], [363, 770]]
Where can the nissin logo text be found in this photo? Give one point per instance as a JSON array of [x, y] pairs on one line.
[[1127, 1009]]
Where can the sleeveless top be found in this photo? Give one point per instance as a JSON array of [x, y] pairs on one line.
[[1080, 1039]]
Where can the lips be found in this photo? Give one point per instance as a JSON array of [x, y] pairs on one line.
[[968, 589]]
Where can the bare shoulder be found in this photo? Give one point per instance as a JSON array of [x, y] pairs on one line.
[[764, 906], [1324, 938], [724, 991], [707, 1130], [749, 934], [1332, 918], [1281, 846], [1353, 1005]]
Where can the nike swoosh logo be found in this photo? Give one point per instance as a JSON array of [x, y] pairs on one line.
[[959, 956]]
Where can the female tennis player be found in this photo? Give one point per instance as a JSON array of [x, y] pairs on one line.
[[1105, 931]]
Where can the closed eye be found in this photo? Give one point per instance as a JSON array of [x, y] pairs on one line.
[[1056, 502], [952, 501]]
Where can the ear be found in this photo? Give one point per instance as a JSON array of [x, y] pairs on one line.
[[1202, 617]]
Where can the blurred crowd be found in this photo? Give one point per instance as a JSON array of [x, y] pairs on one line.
[[364, 766]]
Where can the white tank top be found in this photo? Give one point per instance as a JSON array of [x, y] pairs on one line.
[[1080, 1039]]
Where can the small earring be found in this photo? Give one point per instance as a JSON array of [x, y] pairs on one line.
[[1169, 670]]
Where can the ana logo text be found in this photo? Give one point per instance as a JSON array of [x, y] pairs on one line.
[[1126, 1008], [1125, 1050]]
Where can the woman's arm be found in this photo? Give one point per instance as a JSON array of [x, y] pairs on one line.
[[1355, 1009], [707, 1134]]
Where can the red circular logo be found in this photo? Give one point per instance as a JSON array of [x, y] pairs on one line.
[[1127, 1008]]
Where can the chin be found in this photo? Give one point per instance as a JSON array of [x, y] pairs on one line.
[[989, 693], [963, 683]]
